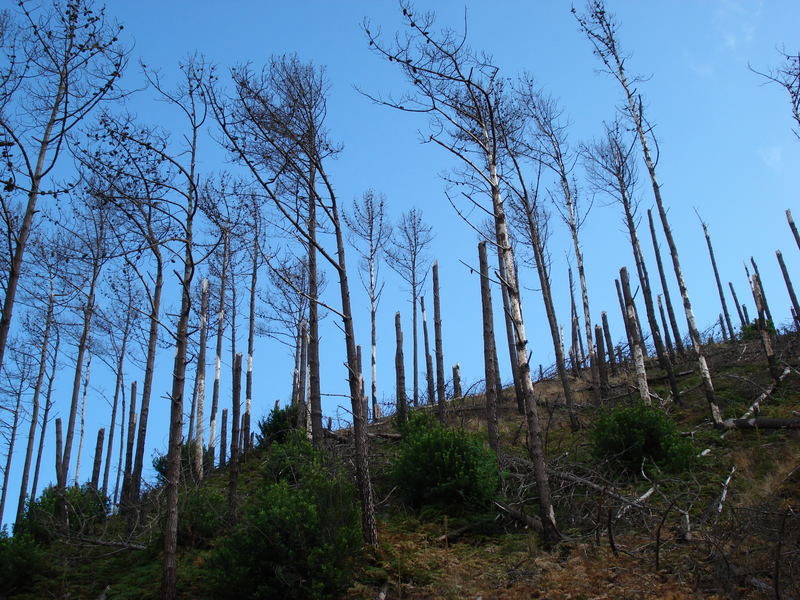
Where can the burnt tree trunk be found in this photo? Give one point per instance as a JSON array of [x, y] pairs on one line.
[[437, 333], [234, 464], [636, 341], [201, 381], [98, 458], [609, 343], [457, 393], [489, 358], [223, 285], [602, 370], [725, 312], [223, 439], [676, 334], [400, 371], [428, 358], [738, 306], [789, 288], [667, 338], [793, 227]]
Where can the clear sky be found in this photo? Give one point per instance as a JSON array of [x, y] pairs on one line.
[[726, 149]]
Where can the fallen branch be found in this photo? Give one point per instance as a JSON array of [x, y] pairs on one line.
[[724, 493], [111, 543], [532, 522], [760, 423]]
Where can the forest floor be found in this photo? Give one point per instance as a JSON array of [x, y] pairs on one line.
[[684, 535]]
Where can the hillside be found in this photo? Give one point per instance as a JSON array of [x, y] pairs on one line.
[[725, 526]]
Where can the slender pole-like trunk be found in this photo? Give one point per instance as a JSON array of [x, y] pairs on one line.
[[234, 313], [48, 404], [10, 452], [303, 409], [83, 417], [414, 341], [667, 338], [717, 279], [722, 327], [130, 493], [636, 342], [609, 343], [251, 342], [37, 389], [535, 442], [624, 311], [400, 371], [738, 306], [119, 386], [21, 237], [766, 337], [121, 454], [83, 342], [763, 293], [789, 288], [793, 227], [602, 370], [223, 285], [314, 390], [129, 448], [489, 358], [457, 393], [223, 438], [234, 465], [428, 357], [200, 377], [98, 458], [59, 464], [373, 310], [437, 331], [544, 279], [676, 334], [512, 348]]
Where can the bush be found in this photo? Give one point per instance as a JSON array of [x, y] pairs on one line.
[[299, 537], [276, 426], [160, 464], [202, 513], [632, 435], [752, 331], [22, 563], [86, 509], [443, 467]]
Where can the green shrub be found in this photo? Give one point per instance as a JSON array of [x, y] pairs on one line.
[[300, 535], [160, 464], [22, 563], [752, 331], [87, 508], [276, 426], [201, 516], [443, 467], [633, 435]]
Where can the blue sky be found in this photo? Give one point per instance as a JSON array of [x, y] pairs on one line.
[[725, 138]]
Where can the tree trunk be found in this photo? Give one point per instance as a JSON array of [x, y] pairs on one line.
[[457, 393], [667, 338], [37, 388], [428, 357], [118, 389], [512, 348], [251, 342], [314, 391], [489, 358], [48, 404], [636, 342], [399, 365], [414, 327], [601, 363], [10, 454], [98, 459], [609, 343], [763, 293], [676, 334], [223, 439], [763, 327], [234, 464], [128, 473], [624, 310], [131, 493], [789, 288], [738, 306], [437, 332], [303, 409], [223, 284], [200, 377], [719, 283], [83, 417], [793, 227]]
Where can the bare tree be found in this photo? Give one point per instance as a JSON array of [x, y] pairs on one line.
[[275, 124], [787, 75], [489, 352], [400, 373], [59, 63], [367, 223], [601, 29], [462, 93], [406, 254]]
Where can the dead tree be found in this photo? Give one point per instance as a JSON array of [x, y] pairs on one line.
[[457, 393], [636, 341], [609, 344], [431, 386], [406, 254], [789, 288], [437, 332], [275, 126], [59, 64], [235, 444], [200, 380], [793, 227], [601, 363], [739, 307], [400, 373], [722, 301], [367, 223], [600, 27], [98, 459], [463, 96], [223, 285], [667, 338], [489, 352], [787, 76], [48, 404], [611, 171], [15, 380], [757, 275]]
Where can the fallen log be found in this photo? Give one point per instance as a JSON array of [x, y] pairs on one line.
[[531, 521]]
